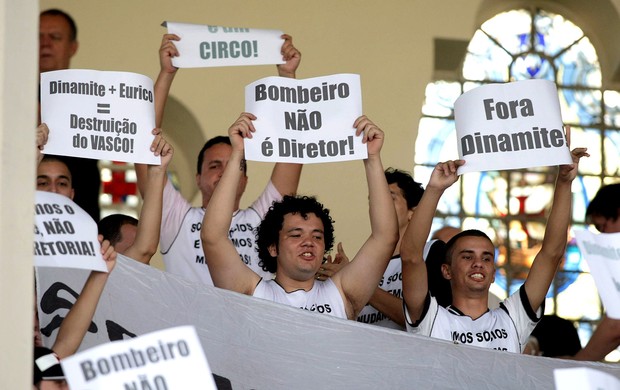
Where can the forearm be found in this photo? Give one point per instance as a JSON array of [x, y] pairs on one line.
[[141, 178], [419, 227], [76, 323], [383, 222], [554, 242], [285, 177], [604, 340], [162, 90], [218, 214], [415, 279], [149, 223], [389, 305]]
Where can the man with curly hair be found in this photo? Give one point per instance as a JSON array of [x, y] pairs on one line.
[[295, 235]]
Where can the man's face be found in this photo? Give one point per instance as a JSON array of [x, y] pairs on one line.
[[473, 265], [213, 165], [55, 45], [604, 224], [128, 237], [403, 213], [301, 246], [54, 176]]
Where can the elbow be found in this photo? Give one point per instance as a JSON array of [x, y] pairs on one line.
[[208, 237], [150, 251]]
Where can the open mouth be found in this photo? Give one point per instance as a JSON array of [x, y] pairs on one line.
[[477, 276]]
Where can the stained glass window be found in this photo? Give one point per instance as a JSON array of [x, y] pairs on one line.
[[512, 206]]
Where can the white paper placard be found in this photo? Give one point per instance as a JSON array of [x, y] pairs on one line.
[[99, 115], [510, 126], [305, 121]]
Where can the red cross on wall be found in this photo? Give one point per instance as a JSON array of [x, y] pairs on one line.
[[118, 187]]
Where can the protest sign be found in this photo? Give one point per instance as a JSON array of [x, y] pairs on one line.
[[257, 344], [584, 378], [209, 46], [602, 252], [167, 359], [510, 126], [65, 235], [305, 121], [99, 115]]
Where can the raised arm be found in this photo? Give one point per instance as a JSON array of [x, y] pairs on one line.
[[227, 270], [76, 323], [415, 282], [161, 89], [285, 176], [166, 75], [553, 247], [358, 280], [149, 223]]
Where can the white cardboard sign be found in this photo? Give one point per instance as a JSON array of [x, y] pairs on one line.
[[305, 121], [65, 235], [167, 359], [510, 126], [210, 46], [99, 115]]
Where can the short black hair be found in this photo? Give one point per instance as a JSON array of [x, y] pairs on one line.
[[412, 190], [110, 226], [605, 203], [269, 230], [68, 18], [557, 336], [220, 139], [59, 159], [465, 233]]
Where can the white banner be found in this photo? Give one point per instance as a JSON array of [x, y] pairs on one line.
[[99, 115], [584, 378], [305, 121], [510, 126], [166, 359], [210, 46], [258, 344], [64, 234], [602, 252]]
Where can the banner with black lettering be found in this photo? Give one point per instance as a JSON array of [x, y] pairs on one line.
[[209, 46], [510, 126], [305, 121], [166, 359], [65, 235], [602, 252], [99, 115], [257, 344]]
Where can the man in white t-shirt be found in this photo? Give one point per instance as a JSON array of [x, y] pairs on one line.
[[470, 267], [295, 235]]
